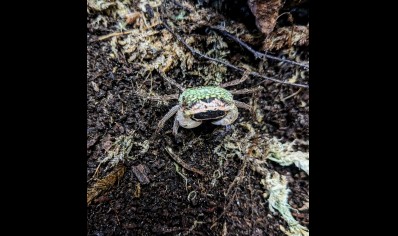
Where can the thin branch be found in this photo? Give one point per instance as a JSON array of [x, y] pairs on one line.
[[182, 163], [195, 52], [255, 53]]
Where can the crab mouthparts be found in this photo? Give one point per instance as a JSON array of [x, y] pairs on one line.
[[208, 115]]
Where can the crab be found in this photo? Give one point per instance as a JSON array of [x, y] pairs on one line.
[[204, 103]]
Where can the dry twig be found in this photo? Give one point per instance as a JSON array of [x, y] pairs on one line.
[[195, 52], [182, 163], [254, 52]]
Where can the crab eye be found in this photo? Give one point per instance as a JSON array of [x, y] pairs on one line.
[[209, 115]]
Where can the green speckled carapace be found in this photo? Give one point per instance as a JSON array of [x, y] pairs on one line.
[[192, 95], [212, 104]]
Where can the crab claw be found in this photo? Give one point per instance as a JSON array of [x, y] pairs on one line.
[[229, 118], [187, 122]]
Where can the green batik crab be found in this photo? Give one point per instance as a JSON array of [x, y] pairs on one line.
[[198, 104]]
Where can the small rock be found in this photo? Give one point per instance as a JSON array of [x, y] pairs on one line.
[[141, 172]]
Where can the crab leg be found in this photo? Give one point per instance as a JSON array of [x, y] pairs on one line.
[[169, 114], [243, 105], [186, 122], [175, 126], [245, 91], [237, 81]]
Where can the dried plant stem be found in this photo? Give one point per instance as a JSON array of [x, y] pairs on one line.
[[182, 163], [254, 52], [195, 52]]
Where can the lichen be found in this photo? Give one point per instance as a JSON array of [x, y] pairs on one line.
[[277, 196]]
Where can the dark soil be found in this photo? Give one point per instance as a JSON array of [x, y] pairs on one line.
[[152, 198]]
